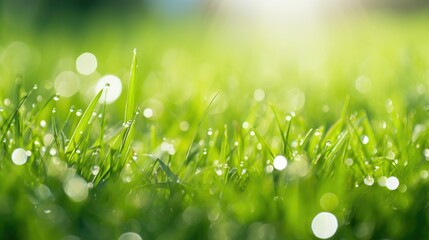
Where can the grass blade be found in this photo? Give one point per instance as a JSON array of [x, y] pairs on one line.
[[83, 125], [130, 104]]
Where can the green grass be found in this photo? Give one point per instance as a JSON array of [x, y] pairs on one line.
[[201, 167]]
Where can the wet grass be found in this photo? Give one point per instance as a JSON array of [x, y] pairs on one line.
[[188, 151]]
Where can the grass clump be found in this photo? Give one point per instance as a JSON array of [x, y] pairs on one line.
[[179, 159]]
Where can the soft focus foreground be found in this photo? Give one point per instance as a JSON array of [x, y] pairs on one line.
[[244, 123]]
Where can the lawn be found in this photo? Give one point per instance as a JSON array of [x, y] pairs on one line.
[[215, 131]]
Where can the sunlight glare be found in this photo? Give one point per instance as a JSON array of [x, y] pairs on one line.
[[114, 90], [86, 63], [324, 225]]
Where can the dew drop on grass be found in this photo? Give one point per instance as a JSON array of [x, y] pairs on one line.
[[53, 151], [365, 139], [113, 92], [280, 162], [324, 225], [130, 236], [245, 125], [368, 180], [95, 170], [19, 156], [210, 132], [79, 112], [56, 97], [43, 123]]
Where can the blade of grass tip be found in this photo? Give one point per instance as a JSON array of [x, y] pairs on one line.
[[17, 118], [187, 157], [7, 123], [264, 144], [83, 123], [164, 167], [130, 104], [339, 124], [284, 136]]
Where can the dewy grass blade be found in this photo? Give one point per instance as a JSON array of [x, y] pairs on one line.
[[130, 104], [188, 152], [83, 124]]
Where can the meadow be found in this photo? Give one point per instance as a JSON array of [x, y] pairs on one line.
[[214, 131]]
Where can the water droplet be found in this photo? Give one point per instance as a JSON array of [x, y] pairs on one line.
[[43, 123], [365, 139], [19, 156], [56, 97], [210, 132], [324, 225], [280, 162], [54, 110], [79, 112], [368, 180], [35, 86], [112, 94], [53, 151], [95, 170]]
